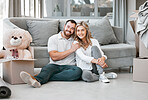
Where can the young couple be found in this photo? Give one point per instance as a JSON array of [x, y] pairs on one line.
[[90, 59]]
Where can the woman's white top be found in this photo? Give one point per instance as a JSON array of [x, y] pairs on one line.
[[83, 57]]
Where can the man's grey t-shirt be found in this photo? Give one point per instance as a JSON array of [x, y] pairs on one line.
[[60, 44]]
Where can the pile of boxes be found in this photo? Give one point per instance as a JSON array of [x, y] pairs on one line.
[[140, 63]]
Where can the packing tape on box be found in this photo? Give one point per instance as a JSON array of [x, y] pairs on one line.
[[5, 92]]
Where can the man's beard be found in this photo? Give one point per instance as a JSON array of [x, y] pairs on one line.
[[66, 34]]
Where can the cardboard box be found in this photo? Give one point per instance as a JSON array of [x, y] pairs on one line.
[[141, 50], [12, 68], [140, 70], [134, 27]]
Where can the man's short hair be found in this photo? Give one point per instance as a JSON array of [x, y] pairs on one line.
[[72, 21]]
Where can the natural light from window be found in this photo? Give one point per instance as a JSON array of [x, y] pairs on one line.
[[1, 29], [27, 8], [80, 8], [1, 24]]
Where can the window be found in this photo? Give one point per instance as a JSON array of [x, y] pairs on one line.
[[82, 8], [78, 8], [2, 3], [59, 8], [1, 7], [105, 7], [1, 23], [31, 8]]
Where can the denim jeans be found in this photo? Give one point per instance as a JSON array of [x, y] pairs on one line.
[[95, 52], [54, 72]]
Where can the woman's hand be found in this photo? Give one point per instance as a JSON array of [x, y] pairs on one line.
[[101, 62]]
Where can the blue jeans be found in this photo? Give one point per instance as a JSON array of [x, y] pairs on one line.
[[54, 72]]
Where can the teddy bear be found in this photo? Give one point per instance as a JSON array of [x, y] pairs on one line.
[[16, 44]]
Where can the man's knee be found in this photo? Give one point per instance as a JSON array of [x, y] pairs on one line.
[[77, 73], [49, 66]]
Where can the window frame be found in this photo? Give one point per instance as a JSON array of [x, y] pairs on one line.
[[77, 17]]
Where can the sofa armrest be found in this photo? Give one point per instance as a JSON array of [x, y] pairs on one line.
[[118, 33], [8, 25]]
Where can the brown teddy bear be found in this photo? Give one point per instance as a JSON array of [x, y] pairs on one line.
[[16, 43]]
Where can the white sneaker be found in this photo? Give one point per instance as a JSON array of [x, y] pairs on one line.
[[111, 75], [29, 79], [103, 78]]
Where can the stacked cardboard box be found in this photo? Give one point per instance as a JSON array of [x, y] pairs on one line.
[[140, 63]]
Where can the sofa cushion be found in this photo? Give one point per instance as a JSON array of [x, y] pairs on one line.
[[42, 30], [42, 56], [103, 32], [119, 50], [40, 62], [40, 52], [21, 23], [119, 62]]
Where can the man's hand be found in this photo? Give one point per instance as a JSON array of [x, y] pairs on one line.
[[75, 46]]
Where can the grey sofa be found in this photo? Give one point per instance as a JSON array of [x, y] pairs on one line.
[[119, 54]]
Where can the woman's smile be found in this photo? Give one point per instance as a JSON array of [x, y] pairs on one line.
[[81, 32]]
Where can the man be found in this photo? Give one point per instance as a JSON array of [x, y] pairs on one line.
[[62, 61]]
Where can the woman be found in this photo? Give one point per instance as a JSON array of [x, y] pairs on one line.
[[89, 57]]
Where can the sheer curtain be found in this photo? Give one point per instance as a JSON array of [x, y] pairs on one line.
[[24, 8], [13, 8], [120, 16]]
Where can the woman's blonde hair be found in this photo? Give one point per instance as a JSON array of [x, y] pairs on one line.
[[88, 35]]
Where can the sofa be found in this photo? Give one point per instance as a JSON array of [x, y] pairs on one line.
[[119, 54]]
